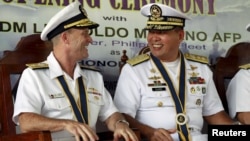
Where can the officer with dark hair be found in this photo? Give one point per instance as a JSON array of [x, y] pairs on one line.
[[165, 93]]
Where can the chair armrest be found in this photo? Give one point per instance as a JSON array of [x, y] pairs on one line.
[[30, 136], [108, 135]]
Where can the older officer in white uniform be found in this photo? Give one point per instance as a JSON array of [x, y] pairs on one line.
[[164, 93], [59, 94], [238, 94]]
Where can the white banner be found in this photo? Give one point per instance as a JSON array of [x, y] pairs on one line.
[[215, 26]]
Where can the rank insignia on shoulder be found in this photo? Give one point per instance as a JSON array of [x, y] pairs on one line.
[[245, 66], [89, 68], [40, 65], [138, 59], [196, 58]]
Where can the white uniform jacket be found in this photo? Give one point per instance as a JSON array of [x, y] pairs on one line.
[[143, 94], [39, 92], [238, 93]]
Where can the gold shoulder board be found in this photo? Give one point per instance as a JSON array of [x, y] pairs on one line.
[[196, 58], [246, 66], [38, 65], [138, 59], [89, 68]]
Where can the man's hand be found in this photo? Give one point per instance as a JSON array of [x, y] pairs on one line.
[[161, 135], [35, 122], [81, 131], [122, 130]]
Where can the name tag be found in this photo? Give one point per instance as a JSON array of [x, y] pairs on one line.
[[59, 95], [159, 89]]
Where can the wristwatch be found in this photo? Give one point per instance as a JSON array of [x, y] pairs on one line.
[[237, 123]]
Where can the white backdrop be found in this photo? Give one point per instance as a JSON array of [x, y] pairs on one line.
[[215, 25]]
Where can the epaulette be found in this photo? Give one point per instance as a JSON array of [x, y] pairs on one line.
[[138, 59], [245, 66], [196, 58], [89, 68], [38, 65]]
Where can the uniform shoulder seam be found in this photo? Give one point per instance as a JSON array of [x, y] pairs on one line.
[[138, 59], [40, 65], [245, 66], [196, 58]]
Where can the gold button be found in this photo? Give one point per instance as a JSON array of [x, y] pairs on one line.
[[96, 97], [160, 104]]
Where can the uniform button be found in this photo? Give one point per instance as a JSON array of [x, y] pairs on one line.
[[160, 104], [96, 97]]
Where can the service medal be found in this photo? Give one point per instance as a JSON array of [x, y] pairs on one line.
[[181, 119]]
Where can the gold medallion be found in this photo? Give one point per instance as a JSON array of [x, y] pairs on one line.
[[192, 90], [160, 104], [181, 119]]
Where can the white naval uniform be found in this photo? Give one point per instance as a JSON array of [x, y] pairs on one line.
[[136, 98], [39, 92], [238, 93]]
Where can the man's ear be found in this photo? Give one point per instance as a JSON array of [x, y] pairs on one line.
[[181, 35], [64, 37]]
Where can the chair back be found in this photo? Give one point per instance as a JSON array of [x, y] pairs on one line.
[[123, 60], [226, 67], [30, 49]]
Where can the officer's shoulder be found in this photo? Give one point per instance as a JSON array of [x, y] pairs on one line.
[[89, 68], [245, 66], [138, 59], [37, 66], [196, 58]]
